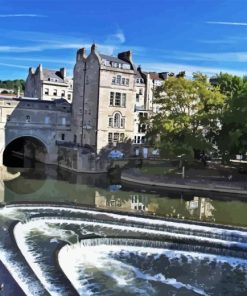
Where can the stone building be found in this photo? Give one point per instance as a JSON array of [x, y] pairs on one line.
[[104, 99], [46, 84]]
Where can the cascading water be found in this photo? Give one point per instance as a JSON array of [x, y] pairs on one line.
[[66, 250]]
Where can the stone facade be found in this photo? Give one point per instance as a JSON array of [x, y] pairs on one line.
[[45, 121], [103, 104], [49, 85]]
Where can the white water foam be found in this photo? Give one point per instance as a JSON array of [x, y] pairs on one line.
[[145, 220], [97, 258], [26, 284], [20, 234]]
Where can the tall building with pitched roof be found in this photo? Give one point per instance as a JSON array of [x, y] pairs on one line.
[[46, 84]]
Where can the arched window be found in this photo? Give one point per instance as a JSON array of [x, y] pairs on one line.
[[117, 120]]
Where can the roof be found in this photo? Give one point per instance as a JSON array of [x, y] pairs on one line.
[[155, 76], [112, 59], [54, 75], [138, 74]]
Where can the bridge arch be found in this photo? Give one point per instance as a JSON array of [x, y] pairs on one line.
[[24, 151]]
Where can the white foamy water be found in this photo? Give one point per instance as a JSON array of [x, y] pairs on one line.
[[25, 283], [154, 222], [77, 261]]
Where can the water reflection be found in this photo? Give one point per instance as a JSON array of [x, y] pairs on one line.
[[52, 185]]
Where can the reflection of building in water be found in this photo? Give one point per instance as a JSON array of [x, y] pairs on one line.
[[201, 207], [139, 202], [135, 202]]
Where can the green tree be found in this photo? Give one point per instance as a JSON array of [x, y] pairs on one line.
[[232, 138], [188, 120]]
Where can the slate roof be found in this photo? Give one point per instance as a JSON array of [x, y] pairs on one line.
[[155, 76], [53, 74], [113, 59]]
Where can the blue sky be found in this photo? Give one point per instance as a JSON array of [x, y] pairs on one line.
[[164, 35]]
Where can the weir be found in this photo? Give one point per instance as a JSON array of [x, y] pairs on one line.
[[46, 235]]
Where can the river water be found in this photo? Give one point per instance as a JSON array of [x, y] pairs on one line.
[[80, 234], [47, 183]]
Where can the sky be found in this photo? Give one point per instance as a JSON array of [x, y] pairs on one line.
[[209, 36]]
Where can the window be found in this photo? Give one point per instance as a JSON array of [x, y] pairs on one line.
[[123, 100], [118, 99], [123, 81], [55, 92], [121, 137], [114, 80], [110, 122], [115, 137], [75, 139], [137, 98], [63, 121], [117, 120], [28, 119], [62, 93], [47, 91], [127, 81], [47, 119], [122, 122], [111, 98], [140, 91], [62, 137], [118, 79], [8, 117], [109, 137], [69, 97]]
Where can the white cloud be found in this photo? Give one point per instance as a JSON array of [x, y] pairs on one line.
[[116, 38], [226, 23], [22, 15], [14, 66]]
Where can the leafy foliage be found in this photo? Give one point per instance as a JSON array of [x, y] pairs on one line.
[[232, 139], [13, 84], [189, 116]]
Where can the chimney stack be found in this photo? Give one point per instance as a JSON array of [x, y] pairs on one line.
[[63, 72], [81, 54]]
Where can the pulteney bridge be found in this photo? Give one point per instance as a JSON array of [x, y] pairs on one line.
[[29, 128]]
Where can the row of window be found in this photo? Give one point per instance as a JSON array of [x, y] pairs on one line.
[[117, 121], [120, 80], [116, 65], [139, 80], [118, 99], [115, 137], [47, 119], [139, 140], [55, 93]]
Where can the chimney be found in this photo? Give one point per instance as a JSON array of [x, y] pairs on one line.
[[81, 55], [40, 68], [40, 71], [31, 71], [93, 47], [63, 72], [163, 75], [126, 56]]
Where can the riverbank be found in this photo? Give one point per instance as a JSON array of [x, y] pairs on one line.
[[194, 181]]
